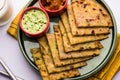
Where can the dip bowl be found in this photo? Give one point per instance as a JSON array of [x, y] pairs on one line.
[[34, 22], [51, 7]]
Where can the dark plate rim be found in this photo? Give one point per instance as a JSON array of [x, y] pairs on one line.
[[30, 3], [100, 66]]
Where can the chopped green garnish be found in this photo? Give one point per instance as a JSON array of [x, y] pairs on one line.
[[34, 21]]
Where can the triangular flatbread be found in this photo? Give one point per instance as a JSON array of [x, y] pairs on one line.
[[73, 54], [83, 31], [90, 13], [49, 58], [79, 39], [38, 59], [77, 47]]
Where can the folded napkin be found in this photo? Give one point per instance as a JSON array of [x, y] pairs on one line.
[[12, 30], [109, 70]]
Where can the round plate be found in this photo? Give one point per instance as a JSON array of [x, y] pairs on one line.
[[94, 65]]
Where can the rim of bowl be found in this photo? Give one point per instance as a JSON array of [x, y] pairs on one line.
[[41, 5], [38, 33]]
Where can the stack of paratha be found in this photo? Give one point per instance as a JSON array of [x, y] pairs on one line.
[[75, 40]]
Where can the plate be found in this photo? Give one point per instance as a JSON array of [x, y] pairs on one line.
[[94, 65]]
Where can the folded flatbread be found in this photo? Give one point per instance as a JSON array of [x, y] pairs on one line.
[[56, 51], [83, 31], [49, 58], [90, 13], [38, 59], [77, 47], [75, 54], [91, 31], [79, 39], [84, 39]]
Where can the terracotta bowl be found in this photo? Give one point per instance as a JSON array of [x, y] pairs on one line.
[[53, 13], [38, 27]]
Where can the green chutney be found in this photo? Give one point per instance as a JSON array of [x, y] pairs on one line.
[[34, 21]]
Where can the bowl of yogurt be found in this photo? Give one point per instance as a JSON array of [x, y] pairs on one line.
[[34, 22]]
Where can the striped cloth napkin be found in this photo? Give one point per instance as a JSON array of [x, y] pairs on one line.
[[109, 70]]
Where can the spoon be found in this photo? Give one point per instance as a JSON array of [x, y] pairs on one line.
[[7, 69], [4, 73]]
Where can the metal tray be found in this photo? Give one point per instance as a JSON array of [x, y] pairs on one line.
[[94, 65]]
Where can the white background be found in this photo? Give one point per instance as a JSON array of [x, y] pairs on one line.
[[11, 54]]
